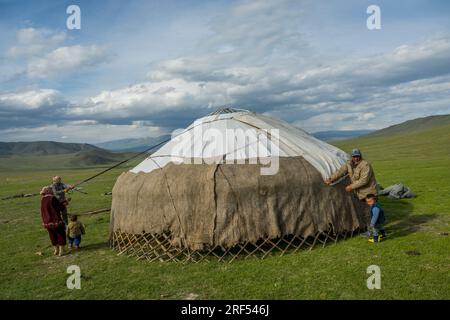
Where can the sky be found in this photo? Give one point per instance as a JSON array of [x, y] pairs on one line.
[[145, 68]]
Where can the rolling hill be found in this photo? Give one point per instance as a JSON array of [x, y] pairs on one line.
[[95, 157], [415, 125], [422, 138], [44, 148], [56, 154]]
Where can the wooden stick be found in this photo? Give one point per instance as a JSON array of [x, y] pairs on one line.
[[94, 212]]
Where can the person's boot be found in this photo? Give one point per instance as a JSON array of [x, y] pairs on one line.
[[383, 235], [374, 239], [56, 250]]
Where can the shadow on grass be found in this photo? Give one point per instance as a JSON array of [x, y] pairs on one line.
[[400, 221], [95, 246]]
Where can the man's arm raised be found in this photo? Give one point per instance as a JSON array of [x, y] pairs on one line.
[[342, 171]]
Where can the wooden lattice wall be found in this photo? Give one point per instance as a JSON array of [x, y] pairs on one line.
[[159, 248]]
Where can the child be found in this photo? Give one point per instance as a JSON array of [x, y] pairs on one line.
[[377, 219], [74, 231]]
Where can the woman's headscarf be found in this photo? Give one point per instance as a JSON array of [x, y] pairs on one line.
[[46, 191], [50, 209]]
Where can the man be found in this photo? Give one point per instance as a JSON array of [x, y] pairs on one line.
[[361, 176], [59, 191]]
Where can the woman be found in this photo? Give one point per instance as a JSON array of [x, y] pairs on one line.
[[51, 210]]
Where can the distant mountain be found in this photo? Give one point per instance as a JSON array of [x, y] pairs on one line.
[[340, 134], [132, 145], [78, 153], [95, 157], [43, 148]]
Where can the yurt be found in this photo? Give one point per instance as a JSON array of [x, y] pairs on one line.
[[233, 184]]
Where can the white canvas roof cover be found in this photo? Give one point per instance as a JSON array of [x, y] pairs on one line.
[[233, 134]]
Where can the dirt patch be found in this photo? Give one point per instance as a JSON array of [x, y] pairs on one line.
[[190, 296]]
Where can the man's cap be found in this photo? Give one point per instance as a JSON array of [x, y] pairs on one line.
[[356, 153]]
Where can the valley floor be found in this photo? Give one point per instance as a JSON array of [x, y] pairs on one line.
[[414, 261]]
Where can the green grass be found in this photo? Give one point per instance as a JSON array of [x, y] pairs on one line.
[[336, 271]]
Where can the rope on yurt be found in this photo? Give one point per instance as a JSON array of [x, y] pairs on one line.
[[121, 162], [95, 175], [124, 161], [249, 124], [339, 180], [139, 154]]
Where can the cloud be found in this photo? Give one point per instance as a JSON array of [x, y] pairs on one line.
[[30, 100], [82, 122], [146, 99], [406, 63], [65, 60], [31, 108], [357, 90], [255, 55], [32, 42], [258, 31], [337, 121], [69, 132], [45, 56]]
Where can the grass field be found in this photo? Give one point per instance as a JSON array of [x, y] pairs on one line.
[[414, 261]]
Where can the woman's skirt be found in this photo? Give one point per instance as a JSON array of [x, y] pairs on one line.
[[57, 235]]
